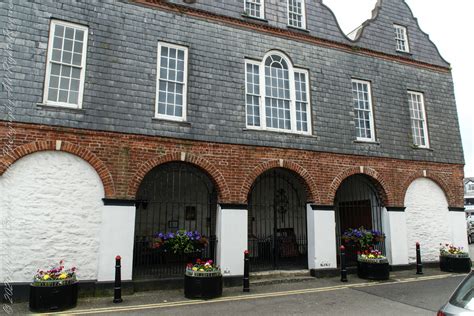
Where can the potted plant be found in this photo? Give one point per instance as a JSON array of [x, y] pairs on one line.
[[179, 246], [202, 280], [454, 259], [54, 289], [372, 265], [360, 239]]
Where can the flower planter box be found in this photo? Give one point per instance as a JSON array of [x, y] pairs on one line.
[[455, 264], [53, 298], [203, 287], [373, 271]]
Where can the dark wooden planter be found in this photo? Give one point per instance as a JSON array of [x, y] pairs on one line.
[[455, 264], [53, 298], [373, 271], [202, 287]]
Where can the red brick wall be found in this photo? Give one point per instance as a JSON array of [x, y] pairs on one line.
[[122, 160]]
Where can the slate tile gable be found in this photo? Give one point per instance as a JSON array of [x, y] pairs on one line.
[[120, 79]]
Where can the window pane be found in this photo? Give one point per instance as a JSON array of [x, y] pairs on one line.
[[53, 95], [64, 83], [69, 33], [68, 45], [75, 85], [76, 59], [59, 30], [56, 55], [79, 35], [58, 42], [53, 81], [78, 47], [67, 57], [63, 94], [73, 97]]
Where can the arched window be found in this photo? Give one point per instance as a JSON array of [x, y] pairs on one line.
[[279, 92]]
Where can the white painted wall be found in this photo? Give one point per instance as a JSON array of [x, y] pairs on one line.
[[53, 204], [116, 238], [396, 244], [428, 219], [457, 220], [232, 236], [321, 238]]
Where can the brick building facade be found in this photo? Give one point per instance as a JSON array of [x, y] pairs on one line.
[[117, 126]]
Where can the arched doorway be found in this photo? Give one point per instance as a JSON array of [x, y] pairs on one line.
[[358, 203], [174, 196], [277, 222]]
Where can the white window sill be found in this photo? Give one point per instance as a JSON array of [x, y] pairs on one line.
[[296, 28], [256, 18], [59, 107], [403, 52], [170, 121], [290, 133], [421, 147], [366, 141]]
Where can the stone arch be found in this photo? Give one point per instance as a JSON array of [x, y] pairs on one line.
[[308, 181], [379, 182], [58, 145], [429, 175], [214, 173]]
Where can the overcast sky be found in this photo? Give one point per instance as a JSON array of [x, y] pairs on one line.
[[450, 24]]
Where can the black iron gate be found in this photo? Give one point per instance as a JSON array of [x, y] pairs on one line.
[[175, 196], [358, 204], [277, 222]]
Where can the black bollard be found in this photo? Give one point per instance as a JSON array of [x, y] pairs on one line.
[[343, 264], [419, 265], [246, 271], [118, 281]]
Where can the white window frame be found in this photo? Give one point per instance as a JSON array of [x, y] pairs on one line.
[[262, 9], [470, 187], [291, 78], [259, 64], [404, 39], [49, 62], [425, 123], [303, 15], [371, 112], [185, 83]]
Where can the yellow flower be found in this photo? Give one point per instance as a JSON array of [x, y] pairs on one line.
[[63, 276], [195, 269], [46, 276], [202, 270]]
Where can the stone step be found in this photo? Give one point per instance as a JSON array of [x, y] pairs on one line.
[[279, 274], [280, 280]]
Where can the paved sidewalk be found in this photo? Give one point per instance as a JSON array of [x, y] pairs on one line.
[[172, 297]]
